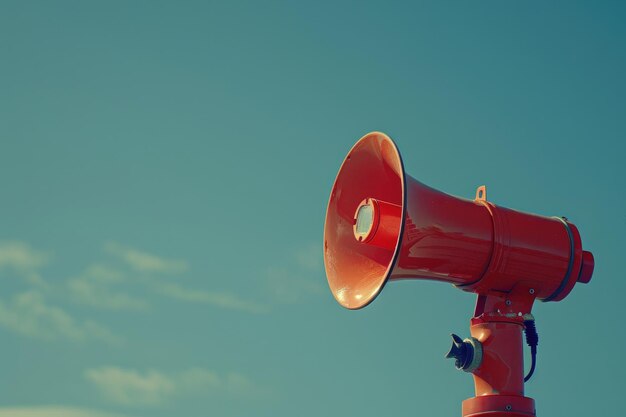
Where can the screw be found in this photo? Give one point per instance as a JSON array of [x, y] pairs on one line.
[[532, 291], [508, 407]]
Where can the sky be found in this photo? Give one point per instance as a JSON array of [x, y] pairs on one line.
[[164, 174]]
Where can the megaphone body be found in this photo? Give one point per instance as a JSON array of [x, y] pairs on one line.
[[383, 225]]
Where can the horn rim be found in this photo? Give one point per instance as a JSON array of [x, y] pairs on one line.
[[383, 278]]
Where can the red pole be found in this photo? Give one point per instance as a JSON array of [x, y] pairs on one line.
[[498, 324]]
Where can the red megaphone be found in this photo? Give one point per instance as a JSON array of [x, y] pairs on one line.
[[382, 224]]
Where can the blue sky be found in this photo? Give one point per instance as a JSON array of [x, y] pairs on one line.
[[165, 169]]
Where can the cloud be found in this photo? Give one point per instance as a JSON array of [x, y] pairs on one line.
[[28, 314], [94, 288], [23, 260], [217, 299], [298, 276], [198, 379], [20, 256], [239, 384], [52, 411], [290, 287], [130, 387], [310, 257], [146, 262], [202, 382]]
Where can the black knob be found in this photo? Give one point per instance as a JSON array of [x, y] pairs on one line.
[[462, 352]]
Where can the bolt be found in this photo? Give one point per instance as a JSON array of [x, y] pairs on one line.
[[508, 407]]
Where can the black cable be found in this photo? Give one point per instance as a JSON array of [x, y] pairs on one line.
[[532, 339]]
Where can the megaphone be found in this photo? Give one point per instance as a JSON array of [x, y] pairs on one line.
[[383, 225]]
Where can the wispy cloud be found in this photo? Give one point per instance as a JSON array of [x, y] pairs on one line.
[[52, 411], [289, 286], [151, 388], [95, 288], [129, 387], [146, 262], [310, 256], [199, 379], [298, 276], [23, 260], [217, 299], [20, 256], [28, 314]]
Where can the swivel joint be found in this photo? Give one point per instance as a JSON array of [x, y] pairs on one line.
[[468, 353]]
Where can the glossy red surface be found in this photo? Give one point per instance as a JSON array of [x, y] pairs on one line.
[[386, 221], [357, 271], [532, 250], [502, 368], [587, 270], [446, 238], [499, 380], [499, 406], [474, 244]]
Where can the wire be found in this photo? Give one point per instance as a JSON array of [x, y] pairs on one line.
[[532, 339]]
